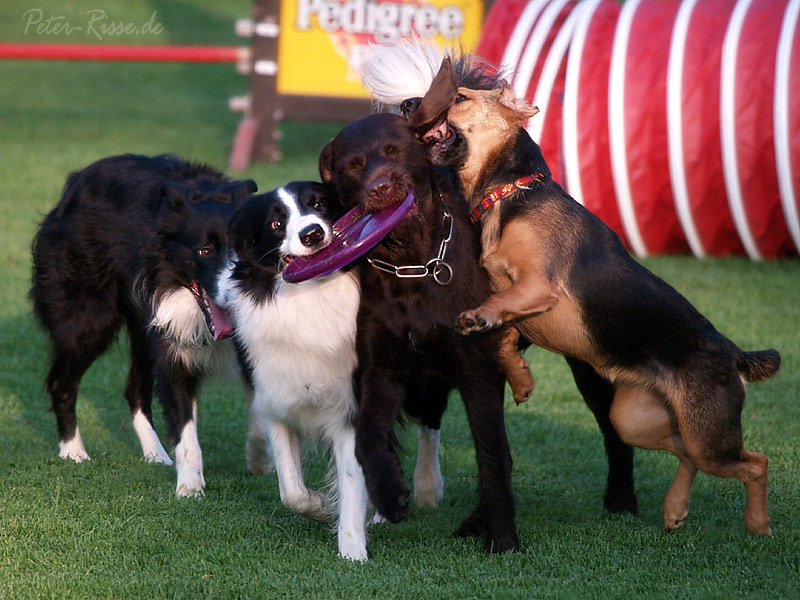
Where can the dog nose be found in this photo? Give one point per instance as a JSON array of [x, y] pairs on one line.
[[409, 105], [380, 188], [312, 235]]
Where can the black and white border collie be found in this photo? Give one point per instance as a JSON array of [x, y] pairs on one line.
[[296, 343], [137, 241]]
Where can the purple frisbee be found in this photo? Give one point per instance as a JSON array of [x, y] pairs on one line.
[[355, 234]]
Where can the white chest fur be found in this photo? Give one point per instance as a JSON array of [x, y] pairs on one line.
[[301, 346]]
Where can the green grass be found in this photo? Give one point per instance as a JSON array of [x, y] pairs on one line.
[[112, 528]]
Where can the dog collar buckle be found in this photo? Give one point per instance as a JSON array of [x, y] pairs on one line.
[[501, 192]]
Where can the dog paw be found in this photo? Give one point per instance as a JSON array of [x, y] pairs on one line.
[[500, 543], [160, 458], [353, 547], [191, 483], [428, 497], [394, 503], [187, 490], [621, 502], [473, 322], [758, 526], [73, 449], [671, 524], [311, 504], [471, 527], [521, 389], [259, 456], [428, 487]]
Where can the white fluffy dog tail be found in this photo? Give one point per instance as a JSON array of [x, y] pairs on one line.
[[403, 69]]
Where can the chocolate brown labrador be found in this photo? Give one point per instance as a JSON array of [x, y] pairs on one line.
[[413, 286]]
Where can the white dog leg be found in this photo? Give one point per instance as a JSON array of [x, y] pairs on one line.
[[352, 498], [73, 448], [151, 446], [287, 454], [257, 450], [428, 481], [189, 460]]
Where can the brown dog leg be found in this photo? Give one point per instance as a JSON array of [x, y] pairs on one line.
[[516, 368], [528, 296], [756, 517], [520, 278], [751, 470], [642, 420], [676, 502]]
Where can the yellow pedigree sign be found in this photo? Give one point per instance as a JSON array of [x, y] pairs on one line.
[[322, 42]]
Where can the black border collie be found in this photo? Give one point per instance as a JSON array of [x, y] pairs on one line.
[[296, 343], [137, 241]]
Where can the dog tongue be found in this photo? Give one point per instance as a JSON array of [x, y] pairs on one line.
[[222, 324]]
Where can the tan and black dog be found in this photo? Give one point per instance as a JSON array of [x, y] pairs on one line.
[[568, 283]]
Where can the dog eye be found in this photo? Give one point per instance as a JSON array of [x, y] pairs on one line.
[[356, 163], [320, 204], [206, 251], [461, 98], [276, 224]]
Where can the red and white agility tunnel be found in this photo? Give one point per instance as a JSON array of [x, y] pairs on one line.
[[677, 123]]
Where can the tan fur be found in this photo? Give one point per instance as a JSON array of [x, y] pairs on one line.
[[531, 292], [486, 127]]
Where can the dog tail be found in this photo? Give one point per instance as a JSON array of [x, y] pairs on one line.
[[400, 70], [759, 365]]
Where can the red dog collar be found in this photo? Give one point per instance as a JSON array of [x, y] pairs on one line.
[[502, 192]]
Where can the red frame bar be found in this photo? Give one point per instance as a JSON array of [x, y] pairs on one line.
[[121, 53]]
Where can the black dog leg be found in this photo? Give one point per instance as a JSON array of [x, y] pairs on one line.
[[375, 445], [598, 393], [494, 516], [177, 388], [139, 393]]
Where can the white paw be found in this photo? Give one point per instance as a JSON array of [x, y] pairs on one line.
[[78, 457], [428, 486], [161, 458], [152, 450], [73, 448], [312, 505], [191, 485], [352, 548], [428, 494], [377, 518]]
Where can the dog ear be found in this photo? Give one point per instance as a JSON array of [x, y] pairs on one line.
[[242, 232], [522, 107], [172, 195], [325, 162], [440, 96], [241, 190]]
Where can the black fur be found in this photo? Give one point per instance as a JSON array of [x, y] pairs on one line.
[[410, 357], [524, 157], [637, 323], [257, 230], [128, 230]]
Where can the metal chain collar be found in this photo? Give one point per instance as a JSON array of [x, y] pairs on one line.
[[437, 268]]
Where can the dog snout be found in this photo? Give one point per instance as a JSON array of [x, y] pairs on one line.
[[380, 188], [385, 191], [312, 235]]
